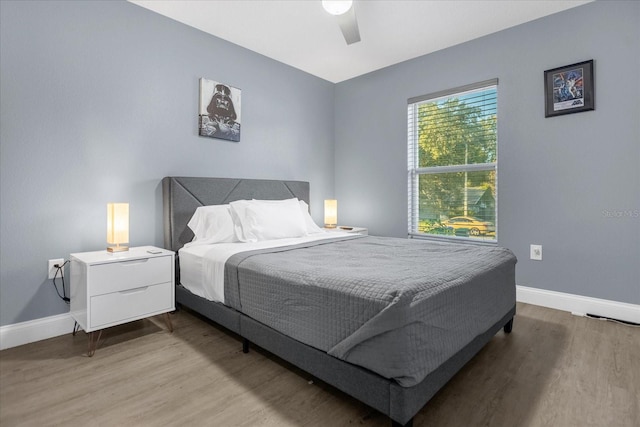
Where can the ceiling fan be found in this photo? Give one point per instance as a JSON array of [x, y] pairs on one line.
[[345, 14]]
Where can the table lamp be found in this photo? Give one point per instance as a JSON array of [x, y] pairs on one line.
[[117, 226], [330, 213]]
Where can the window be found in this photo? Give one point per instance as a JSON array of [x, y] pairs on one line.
[[452, 138]]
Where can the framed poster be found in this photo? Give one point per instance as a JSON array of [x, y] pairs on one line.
[[569, 89], [219, 112]]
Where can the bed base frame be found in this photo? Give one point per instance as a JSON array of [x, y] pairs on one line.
[[400, 404], [183, 195]]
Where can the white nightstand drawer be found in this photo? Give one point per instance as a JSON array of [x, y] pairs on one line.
[[127, 305], [129, 274]]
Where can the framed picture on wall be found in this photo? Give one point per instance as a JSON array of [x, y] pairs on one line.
[[569, 89], [219, 112]]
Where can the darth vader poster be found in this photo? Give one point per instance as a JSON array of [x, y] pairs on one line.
[[219, 110]]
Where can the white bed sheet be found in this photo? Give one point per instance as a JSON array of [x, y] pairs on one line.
[[202, 266]]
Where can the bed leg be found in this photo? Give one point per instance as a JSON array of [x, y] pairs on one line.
[[397, 424], [245, 345], [508, 327]]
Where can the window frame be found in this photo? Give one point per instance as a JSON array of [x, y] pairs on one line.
[[414, 171]]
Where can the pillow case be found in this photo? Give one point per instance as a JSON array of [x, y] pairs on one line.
[[212, 224], [257, 220], [238, 214], [311, 226]]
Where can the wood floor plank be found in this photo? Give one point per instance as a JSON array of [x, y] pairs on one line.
[[555, 369]]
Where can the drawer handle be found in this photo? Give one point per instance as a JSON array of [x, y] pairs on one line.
[[134, 291], [134, 261]]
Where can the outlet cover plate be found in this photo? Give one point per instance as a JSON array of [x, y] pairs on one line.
[[52, 269], [536, 252]]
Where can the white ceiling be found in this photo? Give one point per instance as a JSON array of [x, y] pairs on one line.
[[301, 34]]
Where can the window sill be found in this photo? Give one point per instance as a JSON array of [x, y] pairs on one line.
[[453, 239]]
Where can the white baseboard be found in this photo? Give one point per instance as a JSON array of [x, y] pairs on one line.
[[578, 304], [35, 330]]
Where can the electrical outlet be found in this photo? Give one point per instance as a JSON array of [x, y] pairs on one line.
[[536, 252], [52, 269]]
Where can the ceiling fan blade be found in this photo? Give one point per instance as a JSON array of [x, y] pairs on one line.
[[349, 26]]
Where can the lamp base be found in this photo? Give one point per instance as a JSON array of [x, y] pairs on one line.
[[117, 248], [330, 226]]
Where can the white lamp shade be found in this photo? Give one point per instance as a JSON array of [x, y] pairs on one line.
[[336, 7], [117, 223], [330, 213]]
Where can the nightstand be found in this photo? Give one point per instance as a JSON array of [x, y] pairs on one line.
[[346, 229], [111, 288]]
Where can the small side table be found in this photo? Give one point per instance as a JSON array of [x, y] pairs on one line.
[[349, 229], [112, 288]]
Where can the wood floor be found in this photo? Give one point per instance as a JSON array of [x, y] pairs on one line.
[[555, 369]]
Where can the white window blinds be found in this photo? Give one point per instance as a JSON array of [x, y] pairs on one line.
[[452, 164]]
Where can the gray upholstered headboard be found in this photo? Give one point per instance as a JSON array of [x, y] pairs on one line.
[[182, 195]]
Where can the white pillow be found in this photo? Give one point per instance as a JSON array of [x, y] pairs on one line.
[[238, 215], [257, 220], [312, 227], [212, 224]]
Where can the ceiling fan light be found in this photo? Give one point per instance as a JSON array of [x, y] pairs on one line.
[[337, 7]]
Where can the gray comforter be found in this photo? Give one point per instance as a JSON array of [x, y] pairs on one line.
[[395, 306]]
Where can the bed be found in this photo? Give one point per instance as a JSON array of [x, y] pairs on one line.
[[388, 321]]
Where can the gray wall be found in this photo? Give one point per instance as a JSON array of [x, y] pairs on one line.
[[100, 101], [569, 183]]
